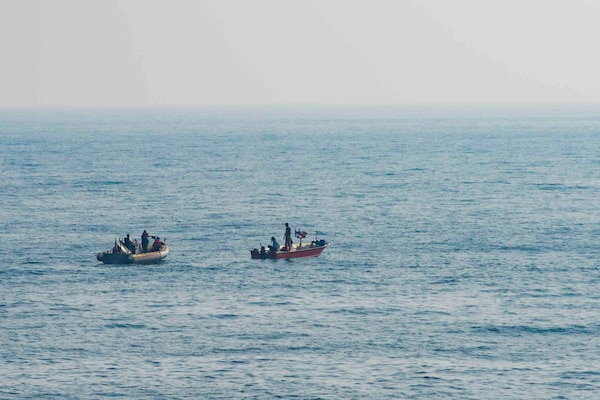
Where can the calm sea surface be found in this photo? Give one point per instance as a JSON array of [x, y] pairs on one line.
[[465, 257]]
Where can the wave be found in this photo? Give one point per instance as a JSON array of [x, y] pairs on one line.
[[520, 330]]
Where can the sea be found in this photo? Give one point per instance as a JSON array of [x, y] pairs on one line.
[[464, 259]]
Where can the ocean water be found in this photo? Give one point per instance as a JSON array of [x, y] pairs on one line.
[[465, 258]]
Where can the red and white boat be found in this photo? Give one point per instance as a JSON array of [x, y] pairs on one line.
[[312, 249]]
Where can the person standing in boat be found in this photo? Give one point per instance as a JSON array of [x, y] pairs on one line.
[[144, 241], [287, 237], [129, 244]]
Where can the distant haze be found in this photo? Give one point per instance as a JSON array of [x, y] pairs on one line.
[[139, 53]]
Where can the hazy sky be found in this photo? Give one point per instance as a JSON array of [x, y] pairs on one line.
[[81, 53]]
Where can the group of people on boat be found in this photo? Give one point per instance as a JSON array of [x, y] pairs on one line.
[[128, 251], [156, 246], [290, 250], [287, 239], [135, 248]]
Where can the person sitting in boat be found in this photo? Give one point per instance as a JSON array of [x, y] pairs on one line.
[[116, 248], [157, 244], [274, 245]]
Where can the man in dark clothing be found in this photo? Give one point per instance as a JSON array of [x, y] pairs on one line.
[[144, 241], [129, 244], [288, 237]]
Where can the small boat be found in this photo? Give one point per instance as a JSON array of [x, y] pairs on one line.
[[122, 254], [312, 249]]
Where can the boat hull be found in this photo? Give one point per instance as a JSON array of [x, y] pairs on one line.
[[108, 257], [299, 251]]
